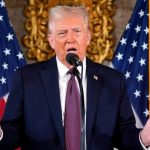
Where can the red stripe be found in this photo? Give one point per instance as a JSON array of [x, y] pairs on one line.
[[2, 107]]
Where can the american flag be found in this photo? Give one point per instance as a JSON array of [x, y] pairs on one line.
[[11, 57], [131, 58]]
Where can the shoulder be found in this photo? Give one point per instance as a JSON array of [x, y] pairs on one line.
[[37, 67], [104, 71], [110, 78]]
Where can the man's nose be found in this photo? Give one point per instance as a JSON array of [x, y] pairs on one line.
[[70, 38]]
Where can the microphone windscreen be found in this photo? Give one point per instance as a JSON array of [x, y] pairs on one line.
[[73, 59]]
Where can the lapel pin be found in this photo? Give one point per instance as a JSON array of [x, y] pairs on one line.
[[95, 77]]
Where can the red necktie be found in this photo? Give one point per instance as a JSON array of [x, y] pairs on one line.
[[72, 119]]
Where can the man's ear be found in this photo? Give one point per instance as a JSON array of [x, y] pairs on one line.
[[51, 41]]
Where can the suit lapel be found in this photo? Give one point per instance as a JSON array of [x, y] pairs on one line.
[[49, 77], [94, 81]]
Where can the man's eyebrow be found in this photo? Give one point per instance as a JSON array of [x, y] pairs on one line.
[[76, 28], [61, 30]]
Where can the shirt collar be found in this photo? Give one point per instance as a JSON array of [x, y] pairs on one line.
[[62, 69]]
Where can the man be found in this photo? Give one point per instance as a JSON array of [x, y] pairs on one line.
[[35, 113]]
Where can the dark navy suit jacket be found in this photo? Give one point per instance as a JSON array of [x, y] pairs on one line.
[[33, 117]]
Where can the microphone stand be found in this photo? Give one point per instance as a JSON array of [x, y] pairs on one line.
[[77, 74]]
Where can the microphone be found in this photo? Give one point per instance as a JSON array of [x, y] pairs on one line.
[[73, 59]]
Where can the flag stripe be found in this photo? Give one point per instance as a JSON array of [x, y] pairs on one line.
[[2, 107]]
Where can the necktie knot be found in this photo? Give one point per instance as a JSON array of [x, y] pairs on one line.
[[73, 71]]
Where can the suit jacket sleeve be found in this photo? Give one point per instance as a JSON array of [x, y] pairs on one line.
[[127, 135]]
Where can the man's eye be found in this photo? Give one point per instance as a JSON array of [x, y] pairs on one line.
[[78, 31], [61, 33]]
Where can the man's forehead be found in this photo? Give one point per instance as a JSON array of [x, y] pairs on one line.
[[69, 21]]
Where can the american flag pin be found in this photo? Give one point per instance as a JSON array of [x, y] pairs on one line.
[[95, 77]]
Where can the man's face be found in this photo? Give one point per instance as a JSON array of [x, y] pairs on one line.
[[69, 34]]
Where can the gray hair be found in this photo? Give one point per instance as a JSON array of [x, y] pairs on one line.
[[59, 11]]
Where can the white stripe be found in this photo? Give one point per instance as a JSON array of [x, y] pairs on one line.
[[5, 97]]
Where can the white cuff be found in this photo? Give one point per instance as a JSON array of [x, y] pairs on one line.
[[1, 133], [143, 146]]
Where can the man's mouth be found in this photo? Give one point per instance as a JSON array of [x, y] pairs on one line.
[[71, 50]]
